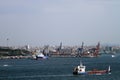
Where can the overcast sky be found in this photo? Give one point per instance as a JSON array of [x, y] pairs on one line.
[[41, 22]]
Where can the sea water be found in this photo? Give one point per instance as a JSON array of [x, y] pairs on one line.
[[58, 68]]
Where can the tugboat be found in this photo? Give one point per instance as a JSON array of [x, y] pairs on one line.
[[80, 70]]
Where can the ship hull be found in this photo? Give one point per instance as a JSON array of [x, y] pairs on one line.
[[77, 73], [44, 57], [96, 72]]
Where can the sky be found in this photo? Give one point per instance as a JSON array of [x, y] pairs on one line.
[[49, 22]]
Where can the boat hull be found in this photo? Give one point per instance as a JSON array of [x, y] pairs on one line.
[[77, 73], [97, 72], [45, 57]]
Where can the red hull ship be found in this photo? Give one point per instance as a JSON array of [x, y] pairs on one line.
[[98, 72], [80, 70]]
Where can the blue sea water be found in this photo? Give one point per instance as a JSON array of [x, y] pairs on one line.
[[58, 68]]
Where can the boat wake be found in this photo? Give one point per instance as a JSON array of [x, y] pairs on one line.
[[55, 75], [37, 76]]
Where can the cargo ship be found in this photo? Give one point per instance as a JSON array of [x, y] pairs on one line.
[[81, 70]]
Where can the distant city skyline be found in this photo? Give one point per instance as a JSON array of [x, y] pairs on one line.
[[49, 22]]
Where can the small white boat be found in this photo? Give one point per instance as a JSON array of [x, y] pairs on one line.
[[39, 55], [5, 65], [113, 56]]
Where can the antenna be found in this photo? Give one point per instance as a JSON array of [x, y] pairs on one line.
[[109, 70], [80, 63]]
